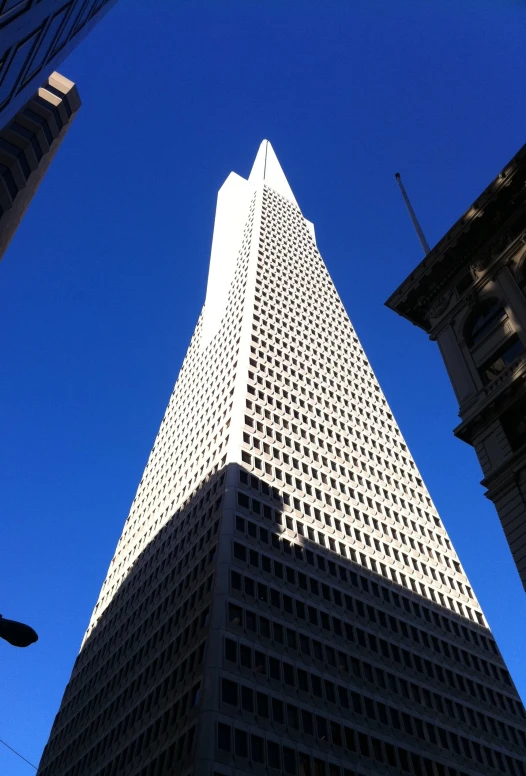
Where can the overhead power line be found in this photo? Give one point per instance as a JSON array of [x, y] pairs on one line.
[[18, 754]]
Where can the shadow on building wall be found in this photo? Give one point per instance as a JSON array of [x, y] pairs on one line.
[[133, 695], [133, 700]]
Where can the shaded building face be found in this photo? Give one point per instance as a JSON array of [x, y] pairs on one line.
[[284, 598], [35, 37], [28, 144], [469, 295]]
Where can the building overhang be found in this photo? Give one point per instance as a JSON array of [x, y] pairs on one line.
[[460, 246]]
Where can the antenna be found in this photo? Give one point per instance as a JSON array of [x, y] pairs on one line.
[[412, 214]]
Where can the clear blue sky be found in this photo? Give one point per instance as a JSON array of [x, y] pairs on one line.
[[103, 283]]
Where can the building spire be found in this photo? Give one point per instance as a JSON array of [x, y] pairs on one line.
[[412, 214], [266, 168]]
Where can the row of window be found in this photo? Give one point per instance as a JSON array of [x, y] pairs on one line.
[[351, 532], [304, 723], [172, 716], [374, 403], [302, 333], [282, 544], [336, 523], [364, 407], [345, 410], [292, 428], [332, 447], [131, 597], [319, 337], [355, 608], [98, 654], [308, 311], [329, 658], [190, 413], [284, 759], [134, 588], [335, 391], [334, 659], [78, 691], [320, 442], [330, 500], [310, 617], [317, 490], [305, 554], [130, 544], [185, 524], [323, 564], [163, 763], [289, 331], [207, 394], [331, 370], [126, 683], [200, 417], [179, 751], [28, 152], [332, 522]]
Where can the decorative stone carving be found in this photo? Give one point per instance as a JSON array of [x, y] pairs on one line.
[[493, 252], [440, 305], [470, 299], [481, 265]]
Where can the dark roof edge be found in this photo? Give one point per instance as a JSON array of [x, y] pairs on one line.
[[462, 225]]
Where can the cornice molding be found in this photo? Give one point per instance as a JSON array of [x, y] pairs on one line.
[[472, 241]]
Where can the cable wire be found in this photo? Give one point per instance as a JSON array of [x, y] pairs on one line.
[[18, 753]]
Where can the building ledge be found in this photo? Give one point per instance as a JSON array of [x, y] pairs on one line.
[[509, 382]]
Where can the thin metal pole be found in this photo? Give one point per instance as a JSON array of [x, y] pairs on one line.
[[412, 214]]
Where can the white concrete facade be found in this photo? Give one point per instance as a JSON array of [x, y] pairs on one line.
[[284, 597]]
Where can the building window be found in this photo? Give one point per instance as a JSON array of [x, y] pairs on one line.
[[258, 754], [229, 692], [488, 315], [514, 424], [241, 743], [501, 359], [223, 737], [273, 755]]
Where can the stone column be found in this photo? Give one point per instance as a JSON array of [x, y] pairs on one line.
[[461, 378]]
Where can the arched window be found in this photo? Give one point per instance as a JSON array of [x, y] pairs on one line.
[[500, 360], [487, 319], [488, 315]]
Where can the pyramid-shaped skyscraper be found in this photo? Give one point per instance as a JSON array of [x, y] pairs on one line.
[[284, 598]]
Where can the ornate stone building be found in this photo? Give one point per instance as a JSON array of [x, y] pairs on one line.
[[284, 598], [468, 294]]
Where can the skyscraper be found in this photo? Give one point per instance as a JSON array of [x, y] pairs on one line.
[[35, 37], [469, 295], [28, 144], [284, 597]]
